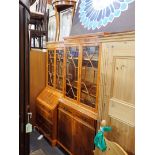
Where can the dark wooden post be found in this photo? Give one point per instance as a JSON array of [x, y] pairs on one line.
[[24, 49]]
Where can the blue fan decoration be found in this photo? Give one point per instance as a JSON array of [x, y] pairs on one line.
[[97, 13]]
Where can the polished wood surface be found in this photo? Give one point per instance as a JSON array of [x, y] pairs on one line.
[[115, 94], [52, 65], [37, 76], [65, 129], [46, 114], [122, 134], [81, 87], [118, 93], [76, 131], [63, 4], [83, 138], [62, 124], [79, 108]]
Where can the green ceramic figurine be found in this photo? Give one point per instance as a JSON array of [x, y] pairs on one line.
[[99, 140]]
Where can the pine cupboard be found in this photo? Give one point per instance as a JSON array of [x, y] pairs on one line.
[[92, 77], [117, 88]]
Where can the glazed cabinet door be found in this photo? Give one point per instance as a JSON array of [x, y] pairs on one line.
[[72, 60], [89, 75], [51, 68], [59, 69], [83, 136], [65, 129]]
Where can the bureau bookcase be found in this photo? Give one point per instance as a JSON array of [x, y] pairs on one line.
[[81, 84]]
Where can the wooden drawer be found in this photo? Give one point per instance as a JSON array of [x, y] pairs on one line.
[[44, 124], [85, 118], [47, 114], [43, 106]]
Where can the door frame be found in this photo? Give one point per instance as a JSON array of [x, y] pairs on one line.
[[24, 50]]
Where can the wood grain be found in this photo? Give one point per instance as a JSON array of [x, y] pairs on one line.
[[37, 77], [117, 84]]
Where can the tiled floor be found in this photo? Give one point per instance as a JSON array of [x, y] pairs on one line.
[[42, 144]]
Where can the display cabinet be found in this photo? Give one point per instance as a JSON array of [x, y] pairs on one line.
[[82, 69], [46, 113], [51, 67], [55, 65], [76, 130], [59, 68], [89, 75], [71, 79], [74, 68]]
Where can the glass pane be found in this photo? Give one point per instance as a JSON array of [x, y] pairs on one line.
[[51, 68], [59, 69], [52, 28], [65, 23], [89, 75], [72, 72]]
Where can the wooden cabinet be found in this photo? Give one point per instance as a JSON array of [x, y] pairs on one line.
[[71, 78], [46, 114], [82, 62], [89, 75], [117, 88], [93, 79], [59, 69], [75, 64], [65, 129], [55, 66], [51, 68], [83, 138], [76, 131]]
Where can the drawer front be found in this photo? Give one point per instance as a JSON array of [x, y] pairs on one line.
[[44, 125], [85, 119], [43, 106], [48, 114]]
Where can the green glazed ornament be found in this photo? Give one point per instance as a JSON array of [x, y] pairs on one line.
[[99, 140]]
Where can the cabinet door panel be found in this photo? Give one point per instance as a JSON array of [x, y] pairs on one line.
[[51, 68], [89, 75], [59, 69], [72, 54], [83, 137], [119, 83], [45, 125], [65, 129]]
